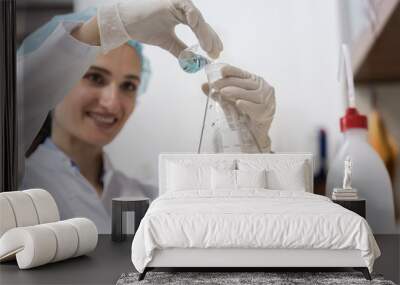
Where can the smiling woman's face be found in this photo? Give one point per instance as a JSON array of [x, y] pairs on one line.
[[97, 108]]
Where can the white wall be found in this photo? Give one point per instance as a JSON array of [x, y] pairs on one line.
[[293, 44]]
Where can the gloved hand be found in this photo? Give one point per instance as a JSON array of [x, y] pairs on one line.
[[153, 22], [251, 96]]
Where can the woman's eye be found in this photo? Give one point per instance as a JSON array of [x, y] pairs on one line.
[[129, 87], [95, 78]]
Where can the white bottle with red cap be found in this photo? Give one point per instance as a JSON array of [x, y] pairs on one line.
[[369, 174]]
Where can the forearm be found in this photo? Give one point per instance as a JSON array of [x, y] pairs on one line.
[[47, 74], [88, 33]]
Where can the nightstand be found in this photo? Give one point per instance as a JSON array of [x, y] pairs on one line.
[[358, 206], [123, 209]]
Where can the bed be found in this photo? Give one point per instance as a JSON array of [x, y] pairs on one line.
[[247, 211]]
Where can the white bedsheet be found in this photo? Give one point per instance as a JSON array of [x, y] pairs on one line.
[[250, 219]]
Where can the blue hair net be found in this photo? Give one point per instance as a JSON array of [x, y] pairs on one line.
[[35, 40]]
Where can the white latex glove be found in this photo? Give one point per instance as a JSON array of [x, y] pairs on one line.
[[250, 95], [153, 22]]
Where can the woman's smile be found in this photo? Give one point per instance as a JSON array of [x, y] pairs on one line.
[[103, 120]]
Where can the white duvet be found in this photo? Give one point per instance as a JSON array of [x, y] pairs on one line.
[[250, 219]]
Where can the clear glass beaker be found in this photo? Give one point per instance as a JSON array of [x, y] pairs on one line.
[[233, 134], [223, 128]]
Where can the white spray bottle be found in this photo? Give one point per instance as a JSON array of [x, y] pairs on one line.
[[369, 175]]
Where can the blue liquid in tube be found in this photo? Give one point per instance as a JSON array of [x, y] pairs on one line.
[[192, 62]]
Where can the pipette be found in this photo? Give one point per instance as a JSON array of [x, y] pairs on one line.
[[345, 66]]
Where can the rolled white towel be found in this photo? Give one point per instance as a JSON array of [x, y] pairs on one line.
[[32, 246], [23, 208], [37, 245], [87, 233], [26, 208], [7, 218], [67, 240], [45, 205]]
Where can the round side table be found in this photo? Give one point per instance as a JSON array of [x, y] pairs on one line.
[[120, 208]]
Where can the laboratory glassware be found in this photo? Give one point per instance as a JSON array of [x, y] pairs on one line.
[[224, 129]]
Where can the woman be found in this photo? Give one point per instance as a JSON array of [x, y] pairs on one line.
[[85, 72], [70, 163], [87, 115]]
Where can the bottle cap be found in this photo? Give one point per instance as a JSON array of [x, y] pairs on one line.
[[353, 120]]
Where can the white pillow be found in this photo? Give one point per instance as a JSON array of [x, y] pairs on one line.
[[223, 179], [186, 177], [251, 179], [282, 174], [289, 179]]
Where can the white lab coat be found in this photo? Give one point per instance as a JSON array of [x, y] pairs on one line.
[[44, 77], [49, 168]]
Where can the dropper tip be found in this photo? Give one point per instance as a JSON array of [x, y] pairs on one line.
[[347, 69]]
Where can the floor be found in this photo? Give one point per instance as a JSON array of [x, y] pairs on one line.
[[389, 262], [110, 260], [103, 266]]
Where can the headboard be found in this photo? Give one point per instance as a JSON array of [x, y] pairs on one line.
[[165, 158]]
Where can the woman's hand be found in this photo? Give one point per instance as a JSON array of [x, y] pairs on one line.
[[250, 95], [153, 22]]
